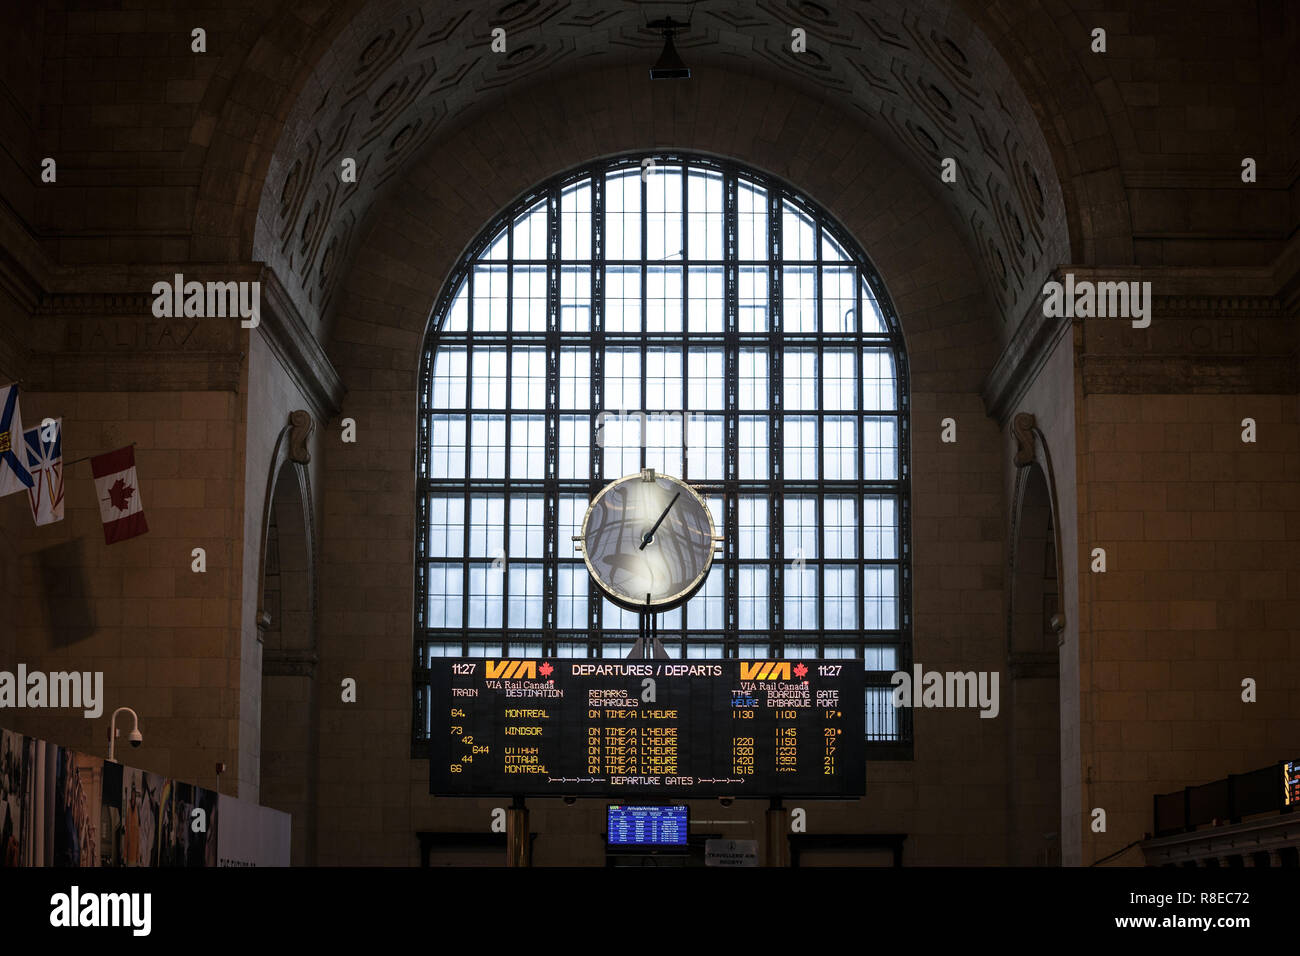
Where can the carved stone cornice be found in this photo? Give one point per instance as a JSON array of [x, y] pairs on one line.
[[1266, 833], [297, 349], [1213, 330]]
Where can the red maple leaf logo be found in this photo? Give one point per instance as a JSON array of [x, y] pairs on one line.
[[120, 494], [546, 668], [800, 670]]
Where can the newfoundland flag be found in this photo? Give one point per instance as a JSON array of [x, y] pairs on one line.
[[118, 491], [14, 476]]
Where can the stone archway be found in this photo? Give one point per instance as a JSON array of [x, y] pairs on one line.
[[286, 630], [1035, 620]]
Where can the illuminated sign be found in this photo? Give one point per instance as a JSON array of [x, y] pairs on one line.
[[1291, 783], [650, 727], [646, 826]]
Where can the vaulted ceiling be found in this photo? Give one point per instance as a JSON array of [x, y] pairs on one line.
[[399, 74]]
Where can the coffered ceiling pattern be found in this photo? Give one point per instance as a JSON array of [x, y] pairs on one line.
[[928, 81]]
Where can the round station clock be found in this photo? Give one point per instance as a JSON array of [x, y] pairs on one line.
[[648, 541]]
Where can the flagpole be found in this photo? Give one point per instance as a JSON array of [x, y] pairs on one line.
[[88, 457]]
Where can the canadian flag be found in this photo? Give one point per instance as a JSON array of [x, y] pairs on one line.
[[118, 491]]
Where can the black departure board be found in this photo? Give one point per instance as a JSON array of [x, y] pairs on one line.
[[645, 727]]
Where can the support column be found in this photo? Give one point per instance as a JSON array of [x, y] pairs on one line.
[[517, 841], [778, 841]]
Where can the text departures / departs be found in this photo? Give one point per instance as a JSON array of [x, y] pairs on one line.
[[705, 728]]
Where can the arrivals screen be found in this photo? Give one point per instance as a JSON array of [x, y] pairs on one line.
[[646, 727], [647, 826], [1291, 782]]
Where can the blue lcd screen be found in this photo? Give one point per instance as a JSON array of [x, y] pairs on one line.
[[647, 826]]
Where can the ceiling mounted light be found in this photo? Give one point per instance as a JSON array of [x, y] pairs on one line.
[[670, 65]]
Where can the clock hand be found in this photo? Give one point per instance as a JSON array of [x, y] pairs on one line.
[[649, 535]]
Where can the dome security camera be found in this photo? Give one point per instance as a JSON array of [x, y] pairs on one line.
[[726, 801], [137, 738]]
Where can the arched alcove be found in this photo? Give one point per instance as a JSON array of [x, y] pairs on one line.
[[1034, 622], [286, 625]]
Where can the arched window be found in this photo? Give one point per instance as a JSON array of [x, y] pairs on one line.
[[701, 320]]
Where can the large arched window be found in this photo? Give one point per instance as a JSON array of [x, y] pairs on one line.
[[701, 320]]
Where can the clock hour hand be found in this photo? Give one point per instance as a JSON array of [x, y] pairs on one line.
[[649, 535]]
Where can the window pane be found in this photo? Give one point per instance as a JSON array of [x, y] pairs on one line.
[[751, 208], [800, 370], [800, 598], [663, 443], [841, 524], [487, 446], [705, 447], [489, 300], [752, 392], [881, 592], [487, 526], [799, 462], [705, 205], [528, 378], [752, 519], [881, 714], [488, 382], [528, 446], [796, 234], [623, 299], [445, 590], [575, 446], [623, 380], [799, 299], [447, 384], [704, 611], [575, 299], [873, 322], [663, 188], [880, 448], [800, 517], [575, 378], [753, 299], [530, 233], [753, 598], [458, 314], [525, 595], [705, 375], [663, 379], [705, 299], [447, 446], [525, 527], [839, 380], [755, 452], [880, 527], [878, 380], [841, 602], [571, 599], [485, 591], [621, 440], [623, 215], [575, 221], [446, 531], [840, 433], [663, 299], [838, 300], [528, 294]]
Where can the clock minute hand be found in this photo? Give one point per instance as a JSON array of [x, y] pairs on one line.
[[649, 535]]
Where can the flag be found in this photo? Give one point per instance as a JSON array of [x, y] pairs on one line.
[[45, 462], [118, 491], [13, 463]]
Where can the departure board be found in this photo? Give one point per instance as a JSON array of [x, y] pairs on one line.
[[647, 826], [646, 727], [1291, 783]]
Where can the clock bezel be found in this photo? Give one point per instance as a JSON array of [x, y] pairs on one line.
[[672, 601]]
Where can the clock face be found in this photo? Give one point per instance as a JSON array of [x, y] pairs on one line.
[[648, 543]]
